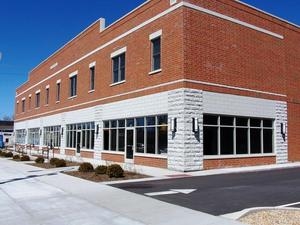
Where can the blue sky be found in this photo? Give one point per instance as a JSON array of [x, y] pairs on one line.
[[32, 30]]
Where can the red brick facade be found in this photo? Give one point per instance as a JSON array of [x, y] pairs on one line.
[[196, 46]]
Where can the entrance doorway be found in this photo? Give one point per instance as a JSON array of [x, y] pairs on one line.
[[129, 143], [78, 146]]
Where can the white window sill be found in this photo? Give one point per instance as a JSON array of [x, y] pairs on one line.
[[112, 152], [57, 102], [72, 97], [86, 150], [37, 107], [117, 83], [155, 72], [239, 156], [164, 156], [91, 91], [47, 105]]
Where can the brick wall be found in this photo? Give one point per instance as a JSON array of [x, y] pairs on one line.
[[149, 161], [112, 157], [237, 162]]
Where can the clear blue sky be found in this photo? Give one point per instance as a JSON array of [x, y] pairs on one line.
[[31, 30]]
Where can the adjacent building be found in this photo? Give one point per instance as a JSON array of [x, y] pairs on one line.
[[7, 131], [178, 84]]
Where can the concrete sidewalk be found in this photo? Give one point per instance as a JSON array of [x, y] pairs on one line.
[[31, 196]]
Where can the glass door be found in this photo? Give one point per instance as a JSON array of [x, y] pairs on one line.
[[129, 143], [78, 146]]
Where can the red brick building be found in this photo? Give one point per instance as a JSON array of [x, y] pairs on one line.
[[179, 84]]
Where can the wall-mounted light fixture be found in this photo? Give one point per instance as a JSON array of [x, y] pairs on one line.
[[195, 125], [283, 128], [173, 124], [97, 129], [62, 131]]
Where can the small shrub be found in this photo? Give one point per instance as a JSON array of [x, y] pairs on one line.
[[60, 163], [115, 170], [53, 161], [40, 160], [2, 154], [16, 157], [9, 155], [86, 167], [101, 169], [25, 158]]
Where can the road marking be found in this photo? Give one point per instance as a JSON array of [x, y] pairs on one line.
[[171, 192], [288, 205]]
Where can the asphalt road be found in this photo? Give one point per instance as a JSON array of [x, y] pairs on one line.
[[222, 194]]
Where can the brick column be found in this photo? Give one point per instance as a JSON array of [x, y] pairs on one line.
[[185, 148]]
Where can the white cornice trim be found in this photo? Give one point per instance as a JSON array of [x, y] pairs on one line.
[[269, 14], [233, 20], [153, 87]]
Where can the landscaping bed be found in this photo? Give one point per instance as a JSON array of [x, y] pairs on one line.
[[103, 173], [91, 176], [272, 217], [50, 166]]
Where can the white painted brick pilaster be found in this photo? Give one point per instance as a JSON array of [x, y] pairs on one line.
[[98, 137], [185, 148], [281, 141]]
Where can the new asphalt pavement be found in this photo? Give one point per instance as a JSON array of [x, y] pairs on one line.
[[223, 194]]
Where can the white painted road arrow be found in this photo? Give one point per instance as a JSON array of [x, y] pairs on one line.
[[171, 192]]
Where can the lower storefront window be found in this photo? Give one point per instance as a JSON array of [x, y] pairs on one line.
[[81, 135], [150, 134], [231, 135]]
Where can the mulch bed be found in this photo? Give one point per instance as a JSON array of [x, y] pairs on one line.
[[49, 166], [91, 176]]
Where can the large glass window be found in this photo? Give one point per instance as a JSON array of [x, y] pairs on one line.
[[73, 86], [118, 68], [229, 135], [52, 136], [34, 136], [81, 135], [20, 136], [151, 134]]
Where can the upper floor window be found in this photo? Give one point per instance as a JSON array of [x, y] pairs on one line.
[[23, 105], [37, 99], [118, 61], [155, 39], [73, 85], [92, 76], [58, 91], [47, 96], [29, 102], [156, 53]]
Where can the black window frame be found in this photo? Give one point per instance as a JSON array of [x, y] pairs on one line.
[[92, 78], [119, 66], [155, 55], [73, 86]]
